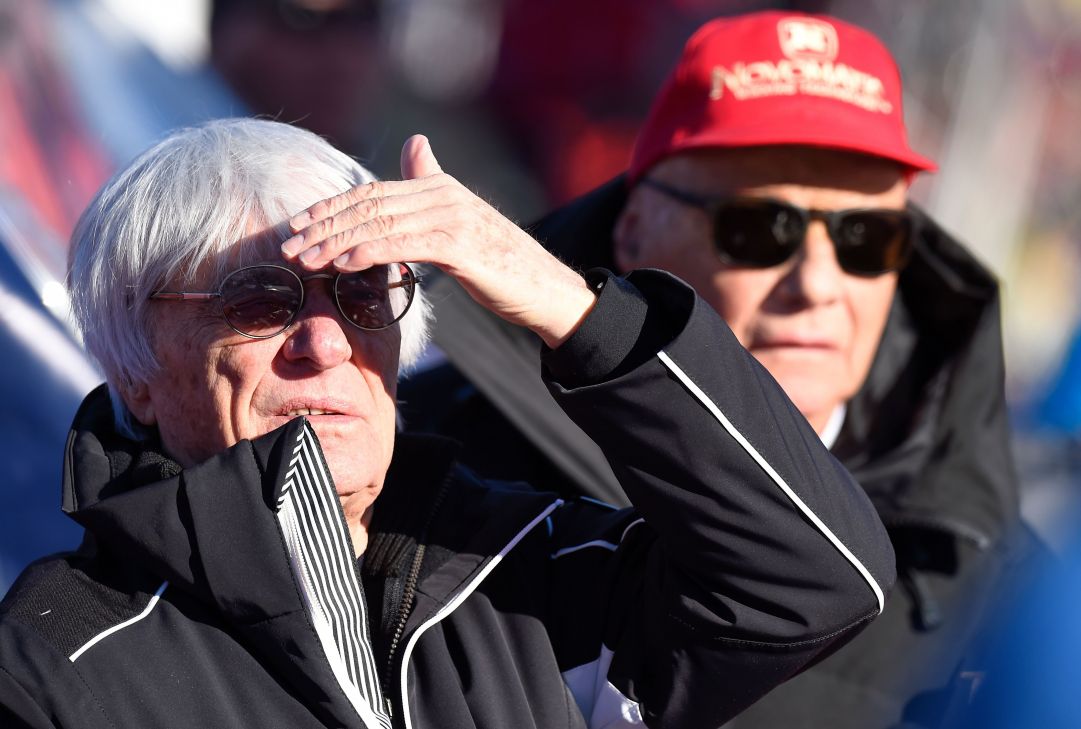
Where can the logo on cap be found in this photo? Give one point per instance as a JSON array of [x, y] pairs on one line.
[[779, 78], [809, 68], [808, 38]]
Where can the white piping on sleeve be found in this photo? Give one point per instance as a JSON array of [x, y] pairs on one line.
[[716, 412], [131, 621], [630, 526], [585, 545], [457, 600], [602, 543]]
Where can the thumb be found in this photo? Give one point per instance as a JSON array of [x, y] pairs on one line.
[[417, 158]]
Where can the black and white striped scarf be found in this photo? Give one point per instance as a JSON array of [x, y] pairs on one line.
[[315, 533]]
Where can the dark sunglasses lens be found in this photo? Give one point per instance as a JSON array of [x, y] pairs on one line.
[[377, 297], [757, 234], [873, 242], [261, 301]]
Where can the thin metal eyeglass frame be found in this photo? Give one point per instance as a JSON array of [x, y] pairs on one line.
[[409, 278], [830, 218]]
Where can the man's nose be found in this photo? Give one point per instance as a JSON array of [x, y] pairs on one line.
[[815, 277], [318, 335]]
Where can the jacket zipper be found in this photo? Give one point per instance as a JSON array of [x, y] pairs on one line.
[[409, 593], [453, 602]]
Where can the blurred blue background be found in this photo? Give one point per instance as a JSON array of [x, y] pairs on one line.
[[530, 103]]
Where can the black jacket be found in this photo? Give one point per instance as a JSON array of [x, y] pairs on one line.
[[927, 437], [226, 595]]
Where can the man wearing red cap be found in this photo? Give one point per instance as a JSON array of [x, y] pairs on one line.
[[772, 175]]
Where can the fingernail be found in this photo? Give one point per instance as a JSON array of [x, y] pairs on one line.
[[300, 220], [292, 245], [341, 260], [309, 255]]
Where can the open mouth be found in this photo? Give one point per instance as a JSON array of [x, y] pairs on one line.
[[311, 411]]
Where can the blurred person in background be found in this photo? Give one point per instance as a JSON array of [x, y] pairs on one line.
[[573, 80], [314, 63], [772, 175], [264, 550], [1032, 671], [51, 163]]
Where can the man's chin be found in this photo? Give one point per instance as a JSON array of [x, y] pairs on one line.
[[355, 467], [356, 452], [811, 398]]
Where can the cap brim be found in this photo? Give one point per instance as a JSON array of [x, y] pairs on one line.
[[904, 156]]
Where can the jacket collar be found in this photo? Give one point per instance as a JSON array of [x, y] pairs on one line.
[[917, 435], [211, 530]]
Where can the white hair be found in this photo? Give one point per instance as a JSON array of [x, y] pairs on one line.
[[181, 207]]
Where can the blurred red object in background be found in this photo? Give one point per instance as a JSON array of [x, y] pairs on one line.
[[46, 153]]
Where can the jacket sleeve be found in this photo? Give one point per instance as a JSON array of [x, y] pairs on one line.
[[758, 554]]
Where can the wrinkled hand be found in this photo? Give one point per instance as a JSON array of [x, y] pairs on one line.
[[430, 217]]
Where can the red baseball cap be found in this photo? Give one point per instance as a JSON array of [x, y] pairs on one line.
[[773, 78]]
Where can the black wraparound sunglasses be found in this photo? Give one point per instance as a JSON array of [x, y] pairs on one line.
[[262, 301], [763, 232]]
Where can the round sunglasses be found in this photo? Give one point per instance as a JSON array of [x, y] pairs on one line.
[[261, 301], [757, 232]]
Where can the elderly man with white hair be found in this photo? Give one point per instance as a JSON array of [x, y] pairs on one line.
[[262, 549]]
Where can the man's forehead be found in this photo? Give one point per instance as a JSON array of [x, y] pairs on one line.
[[262, 246]]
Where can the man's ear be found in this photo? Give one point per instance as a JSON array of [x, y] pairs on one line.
[[137, 397], [626, 251]]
